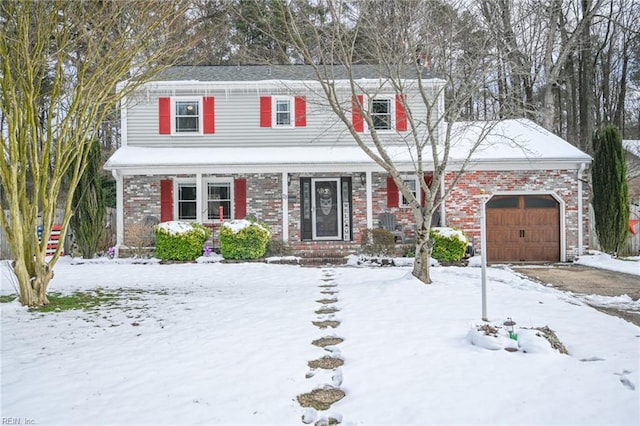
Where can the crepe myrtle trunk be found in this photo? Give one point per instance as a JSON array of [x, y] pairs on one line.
[[424, 245]]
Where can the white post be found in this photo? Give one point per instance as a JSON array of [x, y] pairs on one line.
[[369, 200], [483, 255]]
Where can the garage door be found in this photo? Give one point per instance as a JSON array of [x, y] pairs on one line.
[[523, 228]]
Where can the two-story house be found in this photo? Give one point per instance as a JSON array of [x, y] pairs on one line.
[[215, 143]]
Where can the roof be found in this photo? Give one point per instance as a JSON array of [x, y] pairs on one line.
[[280, 72], [509, 144]]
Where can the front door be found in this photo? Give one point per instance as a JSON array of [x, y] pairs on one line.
[[326, 208]]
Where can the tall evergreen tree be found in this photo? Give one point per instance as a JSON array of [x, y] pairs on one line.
[[87, 222], [610, 191]]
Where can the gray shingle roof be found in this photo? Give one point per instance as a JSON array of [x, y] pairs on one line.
[[277, 72]]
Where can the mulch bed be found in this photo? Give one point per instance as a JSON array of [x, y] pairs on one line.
[[321, 399], [325, 324], [327, 341], [326, 363]]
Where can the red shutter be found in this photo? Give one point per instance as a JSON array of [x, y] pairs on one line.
[[301, 111], [401, 115], [356, 115], [164, 116], [392, 193], [208, 115], [265, 111], [166, 200], [428, 179], [240, 198]]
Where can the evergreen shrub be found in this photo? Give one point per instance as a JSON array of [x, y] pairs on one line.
[[242, 239], [449, 245], [181, 241]]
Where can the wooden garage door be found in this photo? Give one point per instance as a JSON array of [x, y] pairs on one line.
[[523, 228]]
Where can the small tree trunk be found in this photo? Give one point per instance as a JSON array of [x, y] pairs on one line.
[[33, 287], [424, 245]]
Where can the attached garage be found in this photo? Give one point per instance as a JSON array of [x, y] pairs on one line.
[[523, 228]]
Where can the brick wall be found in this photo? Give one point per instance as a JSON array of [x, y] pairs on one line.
[[264, 200], [463, 204]]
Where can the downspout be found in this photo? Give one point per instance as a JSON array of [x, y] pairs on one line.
[[119, 211], [580, 224]]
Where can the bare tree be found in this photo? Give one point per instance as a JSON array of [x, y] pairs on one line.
[[60, 63], [404, 40]]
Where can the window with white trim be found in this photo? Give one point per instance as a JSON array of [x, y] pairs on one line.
[[219, 194], [187, 115], [283, 112], [186, 201], [412, 184], [381, 111]]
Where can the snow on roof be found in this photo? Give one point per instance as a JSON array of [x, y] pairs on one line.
[[505, 141]]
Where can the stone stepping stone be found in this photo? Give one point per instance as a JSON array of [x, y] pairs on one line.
[[321, 399], [326, 324], [327, 341], [327, 310], [326, 363], [327, 301], [328, 292]]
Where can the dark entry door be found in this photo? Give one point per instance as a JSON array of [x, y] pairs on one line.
[[523, 228]]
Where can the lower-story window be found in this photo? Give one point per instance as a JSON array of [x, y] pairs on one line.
[[219, 195], [187, 201]]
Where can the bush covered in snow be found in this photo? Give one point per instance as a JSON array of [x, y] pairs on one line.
[[242, 239], [180, 240], [449, 244]]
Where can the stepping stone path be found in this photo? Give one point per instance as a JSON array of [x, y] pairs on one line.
[[321, 398]]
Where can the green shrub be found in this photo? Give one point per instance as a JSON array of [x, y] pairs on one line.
[[180, 240], [448, 244], [241, 239], [378, 242]]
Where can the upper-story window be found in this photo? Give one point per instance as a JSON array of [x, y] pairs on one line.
[[381, 109], [386, 112], [186, 116], [283, 111]]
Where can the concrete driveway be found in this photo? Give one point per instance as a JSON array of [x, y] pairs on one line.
[[586, 280]]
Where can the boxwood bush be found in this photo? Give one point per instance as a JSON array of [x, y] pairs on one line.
[[449, 244], [378, 242], [243, 239], [180, 240]]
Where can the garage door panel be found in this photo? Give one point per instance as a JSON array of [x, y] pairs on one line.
[[523, 228]]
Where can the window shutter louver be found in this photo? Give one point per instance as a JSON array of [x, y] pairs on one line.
[[265, 111], [208, 115], [392, 193], [240, 198], [356, 115], [166, 200], [164, 116], [301, 111], [401, 115]]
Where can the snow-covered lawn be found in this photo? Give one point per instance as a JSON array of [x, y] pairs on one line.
[[229, 344]]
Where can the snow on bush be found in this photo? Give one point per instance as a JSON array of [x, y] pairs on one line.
[[181, 241], [449, 244], [243, 239]]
